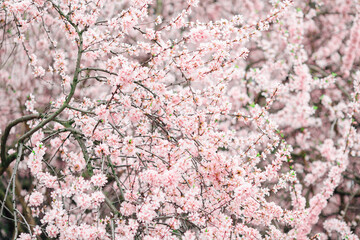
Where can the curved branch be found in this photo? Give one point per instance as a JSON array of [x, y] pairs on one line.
[[6, 162], [6, 135]]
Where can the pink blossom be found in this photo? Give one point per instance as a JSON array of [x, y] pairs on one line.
[[36, 199], [24, 236], [193, 3], [99, 180], [52, 231], [84, 201], [181, 119], [97, 197], [127, 208]]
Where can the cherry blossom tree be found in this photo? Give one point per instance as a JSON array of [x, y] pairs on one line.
[[187, 119]]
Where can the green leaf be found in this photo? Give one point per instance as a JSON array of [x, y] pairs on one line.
[[333, 74], [315, 107]]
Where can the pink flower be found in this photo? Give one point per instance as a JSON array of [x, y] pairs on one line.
[[24, 236], [193, 3], [129, 145], [40, 3], [127, 208], [84, 201], [37, 230], [340, 227], [103, 112], [150, 34], [146, 213], [102, 149], [52, 231], [127, 22], [99, 179], [36, 198], [135, 115], [97, 197], [199, 34]]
